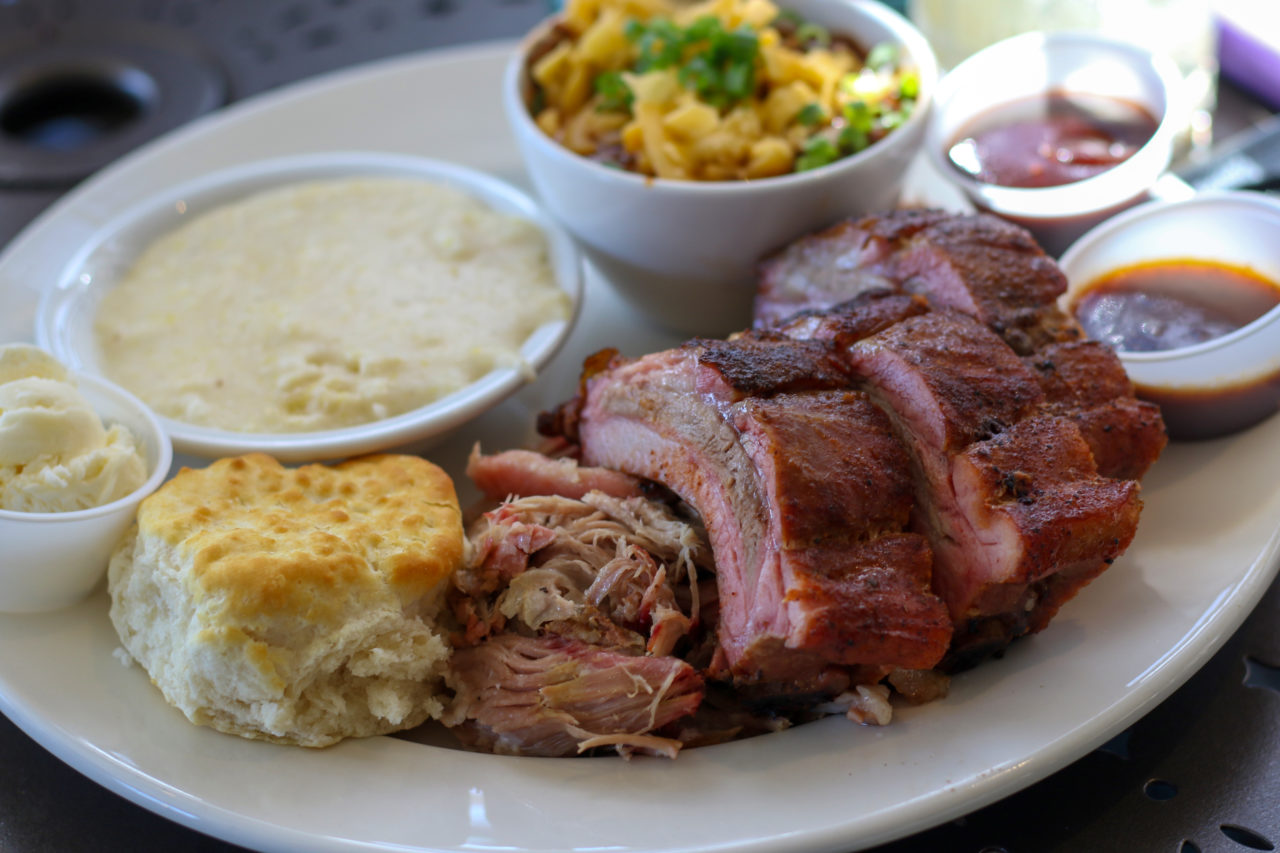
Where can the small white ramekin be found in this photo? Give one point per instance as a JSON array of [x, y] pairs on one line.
[[1034, 64], [50, 560], [1222, 385], [684, 253]]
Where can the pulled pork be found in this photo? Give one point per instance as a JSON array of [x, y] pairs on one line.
[[570, 612]]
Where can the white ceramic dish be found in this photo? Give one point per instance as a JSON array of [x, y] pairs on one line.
[[54, 559], [1236, 228], [684, 252], [1057, 61], [1114, 652], [64, 320]]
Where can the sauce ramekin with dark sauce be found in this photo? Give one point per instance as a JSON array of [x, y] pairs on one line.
[[1051, 139], [1055, 131], [1167, 305], [1163, 305]]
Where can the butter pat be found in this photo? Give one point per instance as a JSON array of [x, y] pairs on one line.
[[55, 453]]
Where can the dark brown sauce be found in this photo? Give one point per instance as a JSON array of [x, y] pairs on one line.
[[1051, 139], [1196, 415], [1172, 304]]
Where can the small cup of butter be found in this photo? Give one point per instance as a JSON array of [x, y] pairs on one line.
[[77, 456]]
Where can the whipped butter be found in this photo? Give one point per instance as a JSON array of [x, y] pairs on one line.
[[55, 453], [326, 304]]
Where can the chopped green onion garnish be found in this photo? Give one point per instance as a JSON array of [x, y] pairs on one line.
[[853, 139], [883, 55], [818, 151], [718, 64], [859, 115], [615, 95], [910, 85], [810, 33], [811, 114]]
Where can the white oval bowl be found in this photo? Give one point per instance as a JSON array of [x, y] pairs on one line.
[[54, 559], [684, 252], [64, 319], [1236, 228], [1035, 63]]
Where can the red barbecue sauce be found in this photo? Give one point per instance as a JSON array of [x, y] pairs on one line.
[[1167, 305], [1051, 139]]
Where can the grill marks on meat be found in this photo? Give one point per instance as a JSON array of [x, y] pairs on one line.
[[792, 512], [977, 264], [556, 591]]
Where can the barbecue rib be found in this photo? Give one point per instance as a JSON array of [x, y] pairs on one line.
[[804, 492], [928, 389], [977, 264]]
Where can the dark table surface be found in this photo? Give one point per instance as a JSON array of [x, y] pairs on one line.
[[1199, 774]]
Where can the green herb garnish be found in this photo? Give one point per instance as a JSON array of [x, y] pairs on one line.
[[859, 115], [717, 64], [811, 33], [883, 55], [615, 95], [909, 86], [852, 140], [660, 44], [818, 151], [811, 114]]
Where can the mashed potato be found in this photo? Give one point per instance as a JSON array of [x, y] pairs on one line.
[[326, 304]]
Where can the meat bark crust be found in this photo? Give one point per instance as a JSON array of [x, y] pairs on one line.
[[929, 359], [1006, 490], [794, 517], [978, 264], [818, 501], [1085, 381]]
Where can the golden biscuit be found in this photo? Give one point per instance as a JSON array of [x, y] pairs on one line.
[[293, 605]]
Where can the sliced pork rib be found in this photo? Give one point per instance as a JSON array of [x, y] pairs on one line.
[[1085, 381], [1006, 490], [805, 496], [824, 454], [978, 264], [832, 266]]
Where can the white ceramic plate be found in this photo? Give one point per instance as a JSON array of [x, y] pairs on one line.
[[1206, 551]]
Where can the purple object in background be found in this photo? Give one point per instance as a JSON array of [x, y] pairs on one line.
[[1249, 47]]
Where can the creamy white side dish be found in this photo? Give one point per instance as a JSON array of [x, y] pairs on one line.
[[55, 453], [326, 304]]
